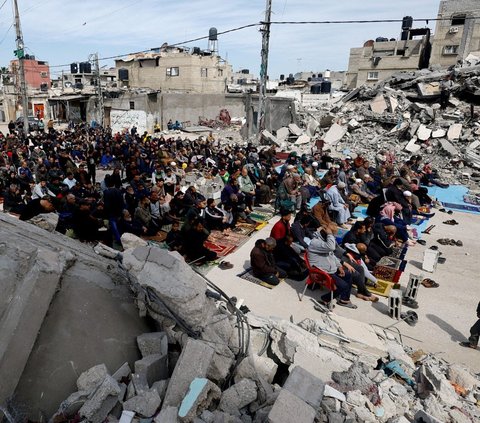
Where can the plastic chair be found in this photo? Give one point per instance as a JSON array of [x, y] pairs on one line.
[[318, 276]]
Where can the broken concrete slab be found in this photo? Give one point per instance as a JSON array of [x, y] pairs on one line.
[[321, 364], [462, 377], [393, 104], [254, 366], [270, 138], [423, 133], [146, 404], [295, 130], [108, 388], [200, 395], [122, 373], [353, 124], [334, 134], [289, 408], [439, 133], [411, 146], [126, 417], [448, 147], [238, 396], [167, 415], [378, 104], [283, 134], [154, 367], [92, 378], [305, 386], [303, 139], [152, 343], [312, 127], [132, 241], [454, 131], [193, 362], [326, 121]]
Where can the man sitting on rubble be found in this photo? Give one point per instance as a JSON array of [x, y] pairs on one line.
[[263, 263]]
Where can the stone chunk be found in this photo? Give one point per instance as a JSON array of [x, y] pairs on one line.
[[254, 366], [422, 417], [123, 372], [154, 367], [411, 146], [283, 133], [127, 416], [152, 343], [378, 104], [289, 408], [334, 134], [457, 374], [454, 131], [199, 397], [92, 378], [108, 388], [423, 133], [238, 396], [132, 241], [439, 133], [448, 147], [305, 386], [167, 415], [303, 139], [270, 137], [295, 130], [193, 362], [145, 404]]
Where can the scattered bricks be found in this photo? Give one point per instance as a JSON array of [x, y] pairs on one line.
[[254, 367], [238, 396], [305, 386], [146, 404], [200, 395], [289, 408], [193, 362], [152, 343], [92, 378], [122, 373], [154, 367], [167, 415], [109, 387]]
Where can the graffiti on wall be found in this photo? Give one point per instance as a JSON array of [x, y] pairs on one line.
[[121, 120]]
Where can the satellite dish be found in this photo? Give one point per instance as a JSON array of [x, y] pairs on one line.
[[68, 84]]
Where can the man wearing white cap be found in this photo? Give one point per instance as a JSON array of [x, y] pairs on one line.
[[338, 204]]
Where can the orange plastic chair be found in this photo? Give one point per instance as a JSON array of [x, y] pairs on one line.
[[318, 276]]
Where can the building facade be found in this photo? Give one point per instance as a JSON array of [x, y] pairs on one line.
[[175, 70], [380, 59], [457, 32], [37, 73]]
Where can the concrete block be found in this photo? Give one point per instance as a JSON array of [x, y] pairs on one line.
[[378, 104], [140, 383], [353, 124], [312, 127], [123, 372], [303, 139], [393, 103], [152, 343], [93, 377], [305, 386], [322, 364], [238, 396], [295, 130], [439, 133], [108, 388], [127, 416], [167, 415], [423, 133], [193, 362], [146, 404], [132, 241], [108, 405], [412, 147], [334, 134], [289, 408], [268, 136], [283, 133], [154, 367], [255, 367], [200, 395], [161, 387], [448, 147], [454, 131]]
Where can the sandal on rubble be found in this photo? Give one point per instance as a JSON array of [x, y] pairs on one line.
[[347, 304], [429, 283]]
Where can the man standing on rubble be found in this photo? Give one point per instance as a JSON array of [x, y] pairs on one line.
[[445, 86], [474, 333]]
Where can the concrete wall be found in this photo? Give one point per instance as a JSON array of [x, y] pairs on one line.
[[467, 38], [160, 108], [152, 73]]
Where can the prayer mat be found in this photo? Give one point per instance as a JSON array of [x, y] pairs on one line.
[[248, 276], [159, 237], [382, 289], [244, 229], [221, 250], [261, 226], [259, 217], [390, 262]]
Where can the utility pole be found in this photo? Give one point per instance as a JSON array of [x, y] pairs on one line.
[[98, 89], [20, 53], [262, 98]]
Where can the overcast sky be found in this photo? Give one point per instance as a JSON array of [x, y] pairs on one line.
[[64, 31]]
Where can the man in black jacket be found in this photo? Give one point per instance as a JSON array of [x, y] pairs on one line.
[[263, 263], [474, 333]]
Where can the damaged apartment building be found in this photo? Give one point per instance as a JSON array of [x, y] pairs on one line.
[[457, 34]]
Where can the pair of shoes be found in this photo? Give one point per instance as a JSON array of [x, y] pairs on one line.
[[409, 302], [224, 265], [467, 344], [451, 222]]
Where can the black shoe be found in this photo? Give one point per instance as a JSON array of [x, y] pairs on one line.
[[408, 302]]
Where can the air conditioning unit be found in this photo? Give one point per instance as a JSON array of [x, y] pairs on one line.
[[453, 30]]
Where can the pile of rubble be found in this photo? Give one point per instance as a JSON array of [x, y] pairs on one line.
[[209, 362], [401, 115]]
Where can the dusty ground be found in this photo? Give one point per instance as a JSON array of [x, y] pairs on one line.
[[445, 314]]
